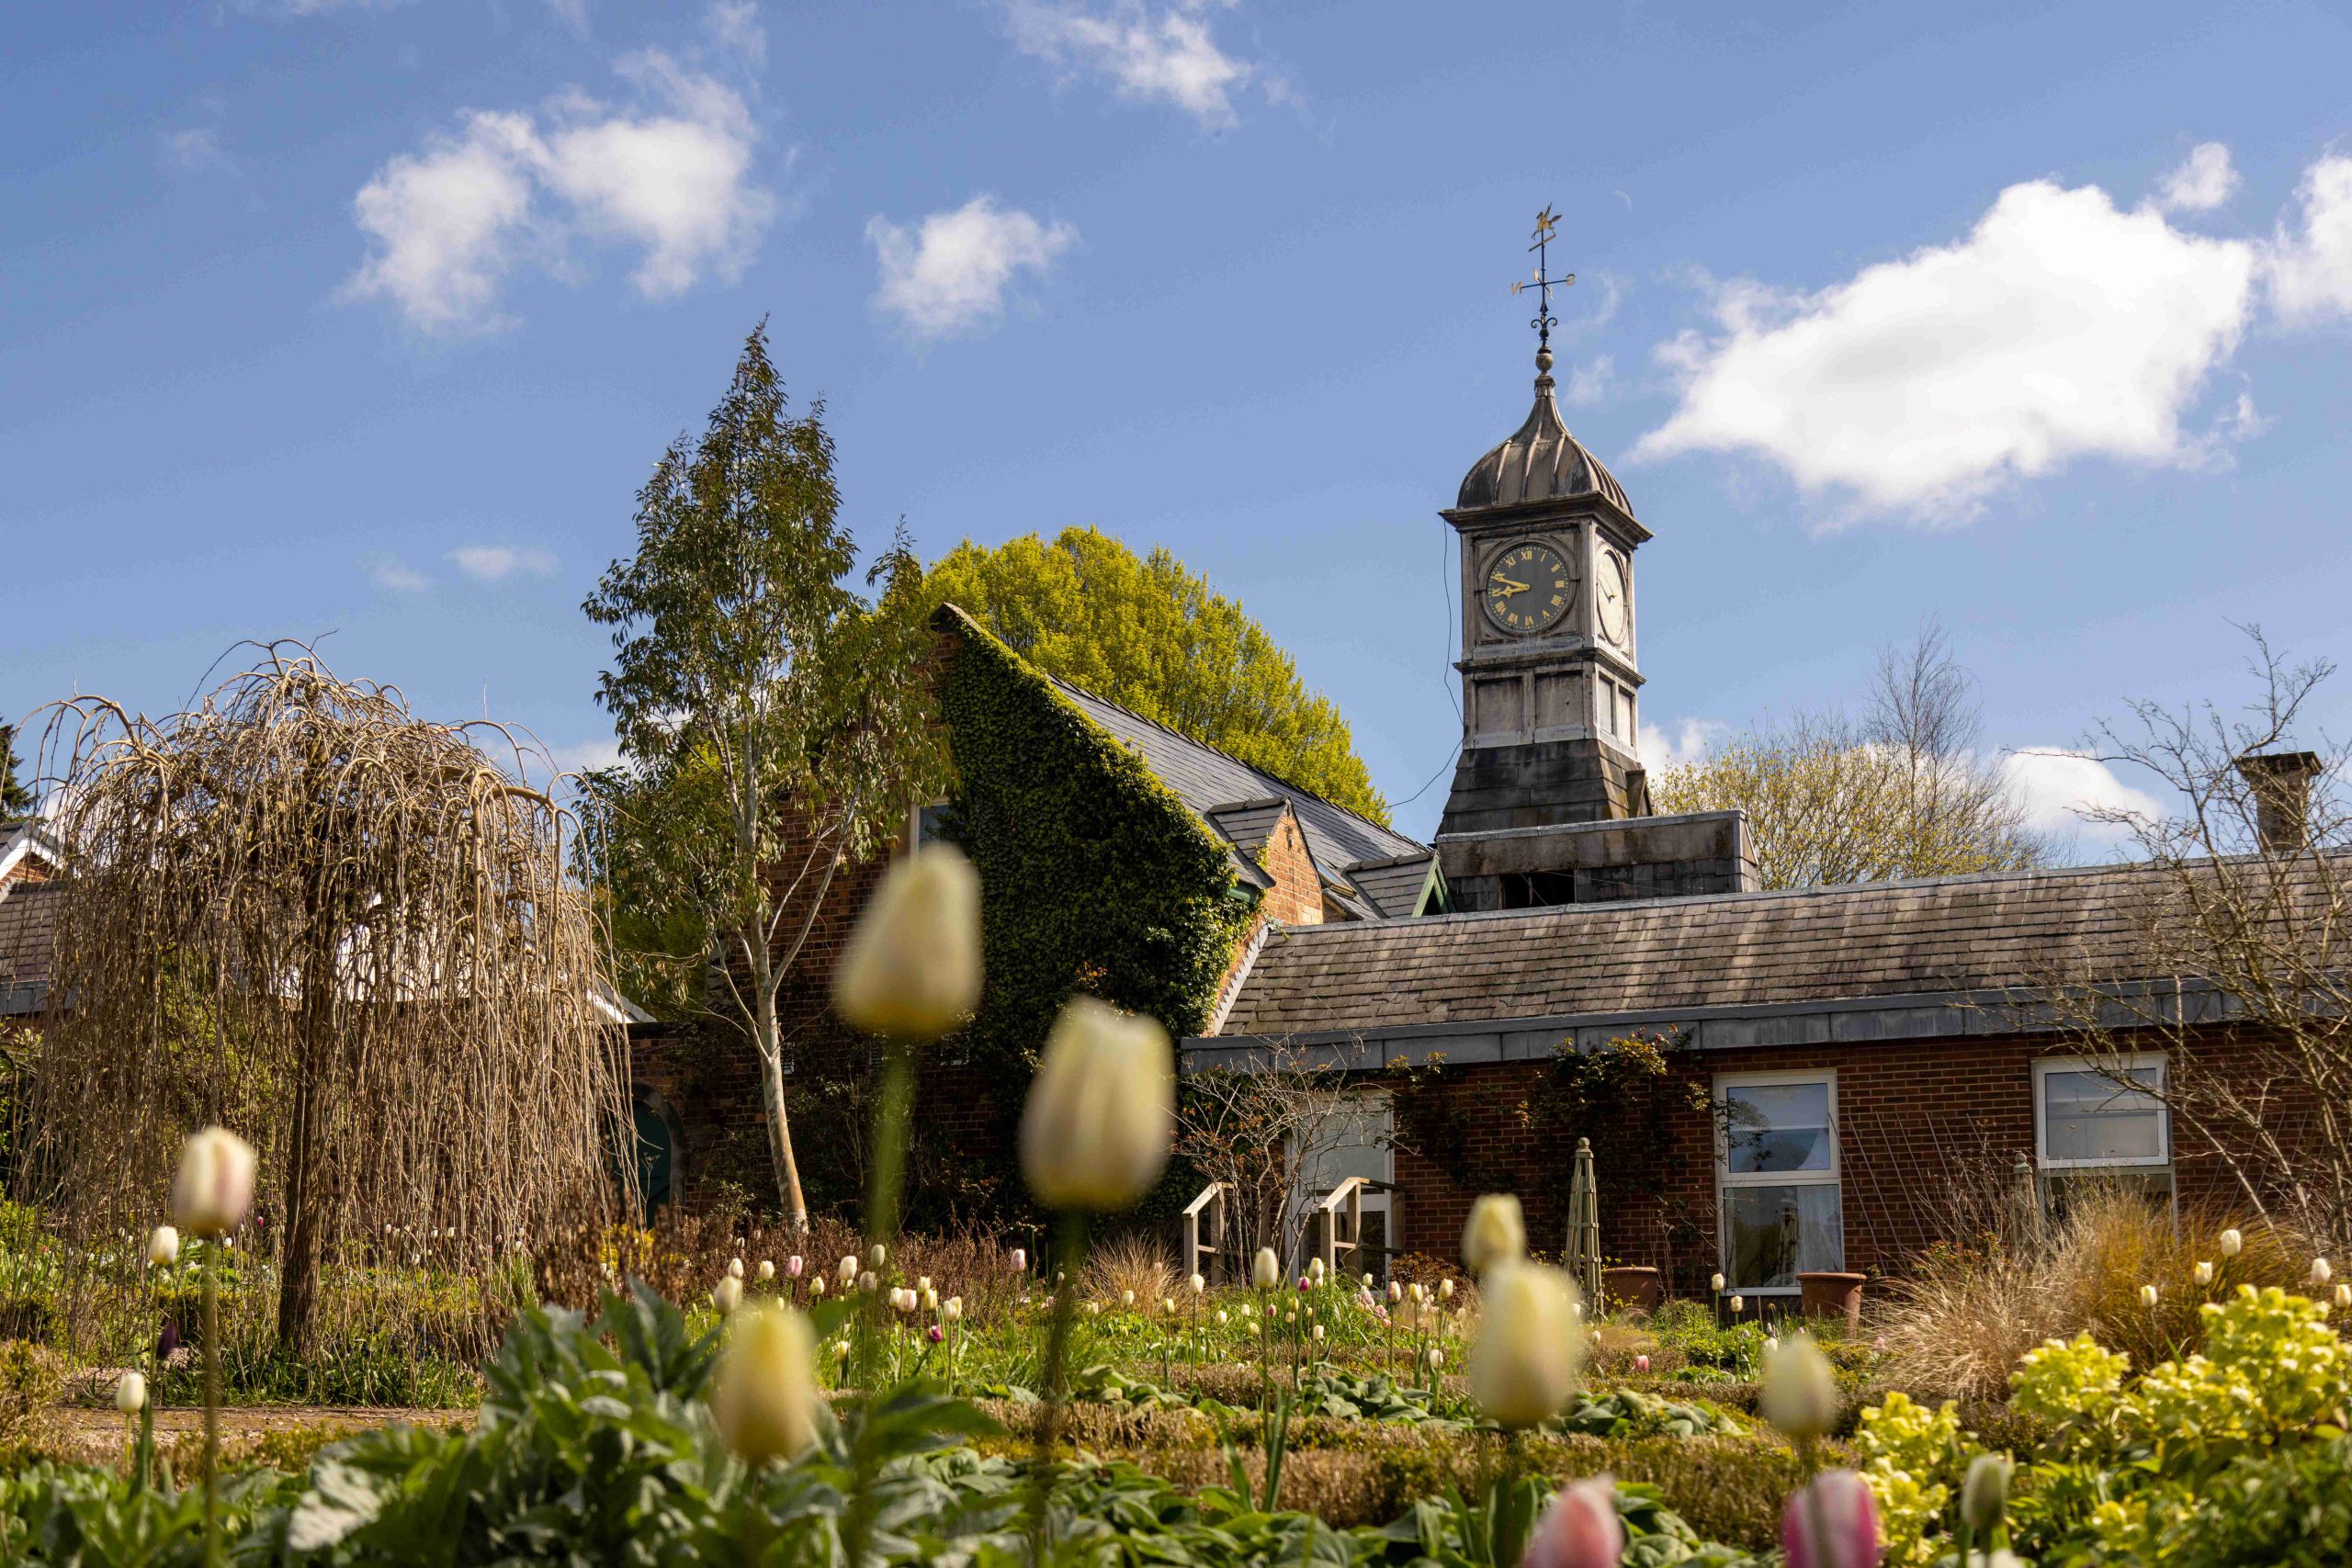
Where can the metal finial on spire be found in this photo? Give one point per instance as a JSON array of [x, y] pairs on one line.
[[1547, 225]]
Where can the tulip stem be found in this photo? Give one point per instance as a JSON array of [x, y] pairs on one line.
[[1069, 1255], [211, 1410]]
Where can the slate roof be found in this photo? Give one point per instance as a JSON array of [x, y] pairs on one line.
[[27, 926], [1392, 886], [1219, 788], [1988, 932]]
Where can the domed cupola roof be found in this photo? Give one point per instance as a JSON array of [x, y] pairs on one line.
[[1540, 462]]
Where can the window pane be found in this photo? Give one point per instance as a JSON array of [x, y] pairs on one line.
[[2088, 1115], [1774, 1127], [1778, 1231]]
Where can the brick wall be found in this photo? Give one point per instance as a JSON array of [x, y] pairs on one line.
[[1296, 897], [1910, 1116]]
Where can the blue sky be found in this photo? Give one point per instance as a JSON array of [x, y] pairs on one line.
[[368, 319]]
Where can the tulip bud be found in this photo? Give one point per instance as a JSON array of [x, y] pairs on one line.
[[1524, 1366], [1800, 1390], [1642, 1362], [1198, 1284], [1437, 1358], [1738, 1306], [1303, 1283], [869, 1281], [2343, 1295], [1020, 1260], [1445, 1289], [1580, 1528], [1126, 1298], [763, 1396], [1315, 1269], [922, 1281], [849, 1270], [2231, 1243], [215, 1186], [164, 1247], [1984, 1496], [2320, 1273], [1221, 1317], [1367, 1281], [2148, 1295], [1771, 1343], [1395, 1292], [935, 1334], [793, 1265], [817, 1286], [2204, 1272], [1831, 1523], [1319, 1331], [1715, 1283], [878, 1255], [727, 1294], [911, 968], [130, 1393], [954, 1309], [1496, 1233], [1266, 1270], [1101, 1111], [735, 1267]]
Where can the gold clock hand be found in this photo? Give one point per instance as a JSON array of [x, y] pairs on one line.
[[1509, 587]]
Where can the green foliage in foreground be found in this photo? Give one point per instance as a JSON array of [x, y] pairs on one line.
[[593, 1446]]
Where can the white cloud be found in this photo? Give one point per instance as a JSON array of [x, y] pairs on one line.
[[572, 14], [2309, 269], [445, 223], [952, 273], [2059, 328], [2202, 182], [1690, 739], [2058, 785], [582, 756], [672, 177], [196, 151], [1167, 55], [387, 571], [489, 563], [1589, 382], [735, 30]]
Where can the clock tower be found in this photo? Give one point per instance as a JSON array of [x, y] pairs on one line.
[[1550, 802]]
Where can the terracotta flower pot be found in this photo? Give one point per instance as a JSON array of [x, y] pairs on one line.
[[1637, 1289], [1827, 1294]]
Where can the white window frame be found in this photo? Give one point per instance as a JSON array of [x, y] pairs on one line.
[[2130, 1061], [1726, 1178], [1382, 1203]]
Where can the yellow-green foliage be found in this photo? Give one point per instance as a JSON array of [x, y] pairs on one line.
[[1150, 635], [1903, 1447]]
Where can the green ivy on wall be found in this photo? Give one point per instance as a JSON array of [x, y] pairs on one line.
[[1094, 876]]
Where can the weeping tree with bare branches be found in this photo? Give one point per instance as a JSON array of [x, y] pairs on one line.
[[301, 912]]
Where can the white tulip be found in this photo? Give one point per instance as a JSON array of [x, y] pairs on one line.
[[878, 1255], [849, 1270], [2148, 1295], [727, 1294], [1524, 1366], [767, 1270], [911, 968], [1738, 1306], [164, 1247], [2203, 1272], [1102, 1111], [2320, 1273], [131, 1393], [735, 1267], [763, 1396], [1799, 1392], [1198, 1284], [1266, 1270], [214, 1190], [954, 1310], [1496, 1233], [2231, 1243], [922, 1281], [1716, 1283]]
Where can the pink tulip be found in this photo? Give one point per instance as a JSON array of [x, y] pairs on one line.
[[1641, 1363], [1303, 1284], [1580, 1528], [1020, 1259], [1831, 1523], [792, 1266], [936, 1335]]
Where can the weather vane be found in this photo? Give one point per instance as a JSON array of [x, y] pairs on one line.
[[1547, 225]]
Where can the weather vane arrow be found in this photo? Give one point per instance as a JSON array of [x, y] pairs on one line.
[[1547, 226]]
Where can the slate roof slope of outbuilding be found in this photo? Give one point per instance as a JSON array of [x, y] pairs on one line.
[[1393, 886], [1206, 779], [1993, 931]]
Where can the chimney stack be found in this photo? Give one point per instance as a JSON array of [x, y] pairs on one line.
[[2282, 796]]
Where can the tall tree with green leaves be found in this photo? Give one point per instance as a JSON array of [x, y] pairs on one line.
[[774, 724], [1150, 635], [17, 800]]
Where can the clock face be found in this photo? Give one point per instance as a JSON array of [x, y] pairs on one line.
[[1528, 588], [1611, 600]]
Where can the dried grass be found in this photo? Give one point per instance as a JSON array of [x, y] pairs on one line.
[[1134, 1263], [1960, 1323]]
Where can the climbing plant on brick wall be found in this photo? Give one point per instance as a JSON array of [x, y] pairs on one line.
[[1094, 876]]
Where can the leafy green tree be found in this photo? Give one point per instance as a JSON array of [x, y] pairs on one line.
[[1147, 634], [16, 801], [774, 724]]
